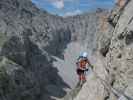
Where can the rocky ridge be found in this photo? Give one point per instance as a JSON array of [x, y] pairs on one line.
[[35, 47], [113, 80], [31, 40]]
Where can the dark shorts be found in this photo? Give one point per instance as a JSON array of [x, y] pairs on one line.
[[79, 71]]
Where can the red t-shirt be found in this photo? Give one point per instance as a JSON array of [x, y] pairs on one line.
[[82, 63]]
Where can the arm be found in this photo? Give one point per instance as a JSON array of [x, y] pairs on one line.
[[77, 63], [90, 64]]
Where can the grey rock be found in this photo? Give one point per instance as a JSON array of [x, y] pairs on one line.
[[119, 55], [117, 63], [30, 37]]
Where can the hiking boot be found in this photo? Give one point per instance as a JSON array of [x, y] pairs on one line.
[[84, 81]]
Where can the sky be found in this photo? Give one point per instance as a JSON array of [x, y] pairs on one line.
[[72, 7]]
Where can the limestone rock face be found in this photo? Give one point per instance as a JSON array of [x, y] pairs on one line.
[[38, 52], [115, 73], [32, 41], [119, 57]]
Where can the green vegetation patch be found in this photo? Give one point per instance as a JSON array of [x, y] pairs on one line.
[[3, 39], [4, 79], [6, 85]]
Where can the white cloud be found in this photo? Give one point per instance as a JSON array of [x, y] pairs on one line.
[[76, 12], [60, 3], [57, 3]]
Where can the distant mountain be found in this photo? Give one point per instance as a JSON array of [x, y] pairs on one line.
[[30, 39]]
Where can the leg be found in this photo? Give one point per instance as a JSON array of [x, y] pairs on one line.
[[79, 77], [84, 78]]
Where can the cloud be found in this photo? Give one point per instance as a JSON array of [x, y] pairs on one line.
[[60, 4], [73, 13], [57, 3]]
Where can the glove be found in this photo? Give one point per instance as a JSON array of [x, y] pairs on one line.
[[92, 66], [86, 69]]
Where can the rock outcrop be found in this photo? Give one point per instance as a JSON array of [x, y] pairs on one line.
[[31, 41], [115, 72], [38, 51], [119, 57]]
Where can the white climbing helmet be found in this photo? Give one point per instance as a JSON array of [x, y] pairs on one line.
[[84, 54]]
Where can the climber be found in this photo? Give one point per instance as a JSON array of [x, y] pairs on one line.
[[82, 66]]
